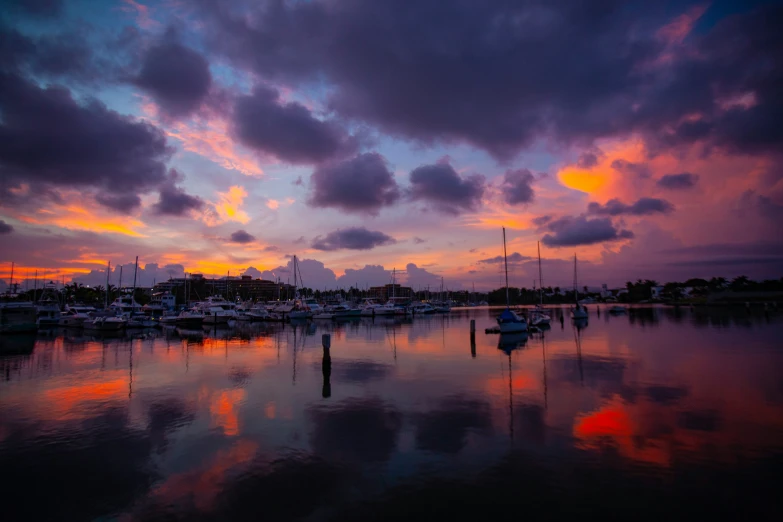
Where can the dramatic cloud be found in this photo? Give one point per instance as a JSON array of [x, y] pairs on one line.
[[516, 257], [174, 201], [5, 228], [369, 275], [362, 184], [176, 76], [643, 207], [540, 221], [39, 8], [122, 203], [48, 139], [287, 130], [588, 160], [385, 68], [517, 186], [440, 185], [684, 180], [632, 169], [573, 231], [355, 238], [241, 237]]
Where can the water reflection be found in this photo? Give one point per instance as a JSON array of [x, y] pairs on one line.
[[263, 419]]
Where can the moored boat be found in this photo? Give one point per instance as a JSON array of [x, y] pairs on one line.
[[509, 321], [18, 317]]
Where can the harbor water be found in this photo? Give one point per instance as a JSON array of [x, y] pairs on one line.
[[656, 414]]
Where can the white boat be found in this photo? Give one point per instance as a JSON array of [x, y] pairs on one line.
[[422, 308], [18, 317], [106, 324], [509, 321], [48, 307], [343, 310], [168, 318], [75, 316], [125, 305], [218, 315], [617, 309], [578, 312], [189, 318]]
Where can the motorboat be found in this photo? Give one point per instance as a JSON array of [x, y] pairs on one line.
[[343, 310], [18, 317], [617, 310], [189, 318], [325, 316], [48, 313], [218, 315], [75, 316], [168, 318], [125, 305], [109, 323], [422, 308]]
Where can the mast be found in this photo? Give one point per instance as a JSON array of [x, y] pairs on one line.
[[108, 271], [576, 295], [11, 283], [135, 271], [296, 290], [119, 287], [540, 277], [505, 263], [35, 286]]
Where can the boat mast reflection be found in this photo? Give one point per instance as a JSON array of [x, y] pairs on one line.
[[507, 343]]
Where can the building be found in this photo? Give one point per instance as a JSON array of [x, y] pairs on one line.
[[383, 293], [198, 287]]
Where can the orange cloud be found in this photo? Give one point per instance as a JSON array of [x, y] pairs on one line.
[[211, 139], [228, 206]]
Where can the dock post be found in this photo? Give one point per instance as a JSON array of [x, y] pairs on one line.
[[326, 366], [473, 338]]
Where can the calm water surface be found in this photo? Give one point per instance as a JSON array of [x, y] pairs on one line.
[[658, 414]]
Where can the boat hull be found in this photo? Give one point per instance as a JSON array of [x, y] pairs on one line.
[[508, 328]]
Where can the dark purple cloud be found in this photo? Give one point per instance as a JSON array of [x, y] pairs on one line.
[[540, 221], [573, 231], [5, 228], [632, 169], [362, 184], [288, 131], [177, 77], [642, 207], [38, 8], [174, 201], [684, 180], [588, 160], [47, 139], [122, 203], [441, 186], [385, 64], [354, 238], [516, 257], [242, 237], [517, 186]]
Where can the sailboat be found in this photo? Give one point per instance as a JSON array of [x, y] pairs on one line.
[[508, 321], [578, 312], [538, 316]]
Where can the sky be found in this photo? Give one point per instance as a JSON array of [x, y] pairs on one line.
[[391, 139]]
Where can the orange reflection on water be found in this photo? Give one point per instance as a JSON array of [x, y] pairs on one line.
[[224, 409], [65, 401], [201, 486], [613, 426]]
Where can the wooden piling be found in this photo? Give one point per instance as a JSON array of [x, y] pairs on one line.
[[472, 326]]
